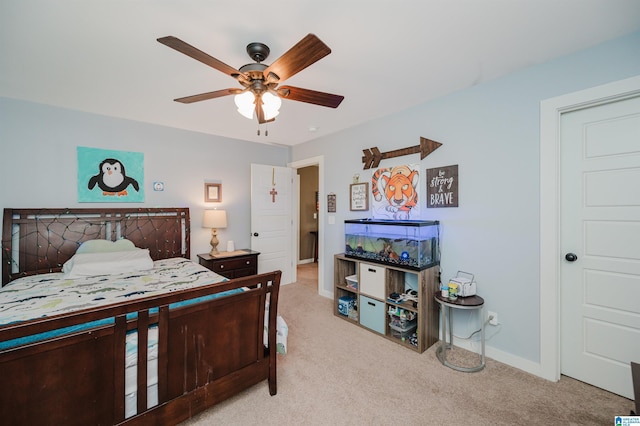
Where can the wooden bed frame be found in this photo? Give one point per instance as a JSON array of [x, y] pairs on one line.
[[207, 352]]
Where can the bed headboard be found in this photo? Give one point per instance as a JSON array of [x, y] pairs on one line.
[[36, 241]]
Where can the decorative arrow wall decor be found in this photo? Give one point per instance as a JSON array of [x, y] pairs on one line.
[[373, 156]]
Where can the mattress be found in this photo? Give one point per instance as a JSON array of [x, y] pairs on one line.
[[131, 371]]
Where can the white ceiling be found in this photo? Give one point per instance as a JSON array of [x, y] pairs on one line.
[[387, 55]]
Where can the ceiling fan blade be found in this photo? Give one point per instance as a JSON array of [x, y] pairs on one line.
[[310, 96], [307, 51], [208, 95], [199, 55]]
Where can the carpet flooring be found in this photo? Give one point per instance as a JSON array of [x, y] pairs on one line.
[[340, 374]]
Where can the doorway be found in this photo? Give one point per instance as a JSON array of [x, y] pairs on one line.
[[552, 255], [315, 264], [308, 206]]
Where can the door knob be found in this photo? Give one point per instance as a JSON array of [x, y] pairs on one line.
[[571, 257], [255, 234]]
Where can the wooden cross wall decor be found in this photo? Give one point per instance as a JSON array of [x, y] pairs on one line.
[[373, 156], [273, 191]]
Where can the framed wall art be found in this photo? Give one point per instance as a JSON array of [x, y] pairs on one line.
[[331, 203], [394, 192], [359, 196], [442, 187], [212, 192], [108, 176]]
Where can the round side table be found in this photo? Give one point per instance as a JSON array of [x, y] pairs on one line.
[[446, 306]]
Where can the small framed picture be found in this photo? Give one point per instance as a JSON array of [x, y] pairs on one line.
[[359, 196], [212, 192], [331, 203]]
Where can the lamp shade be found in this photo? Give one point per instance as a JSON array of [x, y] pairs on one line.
[[215, 219]]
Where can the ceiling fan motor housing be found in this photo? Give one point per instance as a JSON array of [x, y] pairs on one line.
[[258, 51]]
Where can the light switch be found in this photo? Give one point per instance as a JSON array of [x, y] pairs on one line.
[[332, 220]]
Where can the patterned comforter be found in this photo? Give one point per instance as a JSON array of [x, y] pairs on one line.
[[52, 294]]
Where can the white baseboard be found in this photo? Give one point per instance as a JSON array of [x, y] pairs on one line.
[[303, 261], [326, 294], [501, 356]]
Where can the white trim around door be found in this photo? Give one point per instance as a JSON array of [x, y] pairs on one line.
[[550, 255], [319, 161]]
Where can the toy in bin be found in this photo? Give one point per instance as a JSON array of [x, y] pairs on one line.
[[465, 284], [346, 304]]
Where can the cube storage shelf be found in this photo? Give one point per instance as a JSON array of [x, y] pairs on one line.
[[371, 308]]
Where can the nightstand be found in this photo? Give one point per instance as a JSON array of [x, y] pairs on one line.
[[446, 305], [235, 264]]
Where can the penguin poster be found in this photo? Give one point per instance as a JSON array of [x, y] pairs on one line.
[[107, 176]]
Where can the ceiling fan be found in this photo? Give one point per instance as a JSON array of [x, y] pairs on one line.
[[260, 91]]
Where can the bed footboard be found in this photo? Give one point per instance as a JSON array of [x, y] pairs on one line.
[[207, 352]]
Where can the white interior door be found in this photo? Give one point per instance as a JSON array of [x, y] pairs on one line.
[[600, 224], [271, 218]]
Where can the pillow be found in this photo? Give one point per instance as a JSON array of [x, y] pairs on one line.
[[105, 246], [109, 263]]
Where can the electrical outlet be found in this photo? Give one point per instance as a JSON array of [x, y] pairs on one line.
[[493, 318]]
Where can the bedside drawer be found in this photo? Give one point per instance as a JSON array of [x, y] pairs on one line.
[[222, 266], [372, 280], [372, 314]]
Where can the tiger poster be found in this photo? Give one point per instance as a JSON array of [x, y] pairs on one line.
[[394, 192]]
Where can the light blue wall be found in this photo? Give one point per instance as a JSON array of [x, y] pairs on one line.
[[38, 165], [492, 132]]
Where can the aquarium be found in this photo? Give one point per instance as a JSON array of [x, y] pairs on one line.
[[412, 244]]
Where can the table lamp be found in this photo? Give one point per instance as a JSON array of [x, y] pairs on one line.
[[214, 219]]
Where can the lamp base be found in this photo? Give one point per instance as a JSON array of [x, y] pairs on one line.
[[214, 242]]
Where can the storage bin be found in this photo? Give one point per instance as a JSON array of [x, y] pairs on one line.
[[402, 321], [403, 332], [372, 280], [352, 281], [372, 314]]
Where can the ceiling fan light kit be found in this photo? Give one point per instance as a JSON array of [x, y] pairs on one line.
[[260, 93], [245, 103]]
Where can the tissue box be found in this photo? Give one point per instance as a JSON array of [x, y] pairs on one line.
[[345, 304]]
